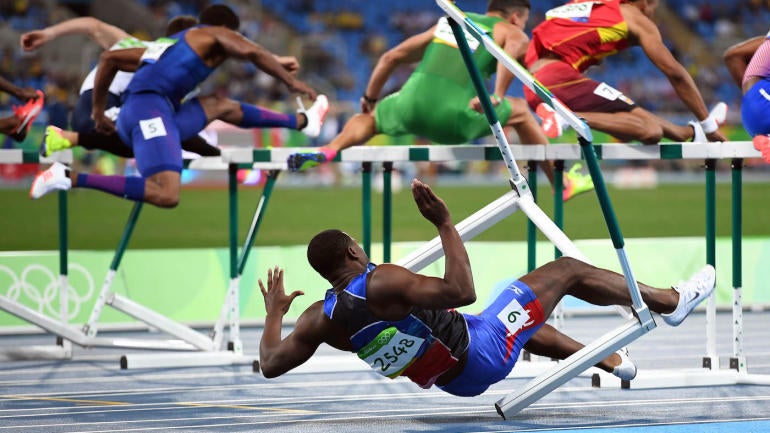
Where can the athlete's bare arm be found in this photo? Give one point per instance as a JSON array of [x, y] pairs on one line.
[[110, 62], [645, 33], [290, 63], [106, 35], [392, 290], [216, 44], [738, 56], [514, 42], [21, 93], [277, 356], [409, 51]]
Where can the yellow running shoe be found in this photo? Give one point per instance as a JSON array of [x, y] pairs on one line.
[[53, 141], [576, 183]]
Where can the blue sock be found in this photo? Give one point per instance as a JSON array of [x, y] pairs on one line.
[[255, 117], [131, 188]]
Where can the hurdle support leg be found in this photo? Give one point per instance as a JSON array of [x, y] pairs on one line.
[[366, 202], [711, 360], [738, 360], [571, 367], [63, 347], [387, 209], [90, 328], [230, 308], [213, 354]]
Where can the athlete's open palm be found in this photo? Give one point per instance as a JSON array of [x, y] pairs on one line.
[[276, 300], [431, 206]]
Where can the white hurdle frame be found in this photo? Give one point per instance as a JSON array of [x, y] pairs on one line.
[[208, 347], [63, 347], [192, 347]]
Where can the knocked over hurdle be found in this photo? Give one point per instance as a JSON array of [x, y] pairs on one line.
[[463, 28]]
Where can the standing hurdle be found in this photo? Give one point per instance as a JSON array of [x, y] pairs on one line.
[[63, 347], [710, 373], [463, 27], [192, 348], [195, 348]]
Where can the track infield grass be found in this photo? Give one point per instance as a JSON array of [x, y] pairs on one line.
[[294, 215]]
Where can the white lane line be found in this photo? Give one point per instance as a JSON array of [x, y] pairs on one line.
[[353, 415], [434, 414]]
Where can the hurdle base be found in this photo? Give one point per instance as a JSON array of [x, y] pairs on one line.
[[36, 353], [578, 362], [673, 378], [177, 359]]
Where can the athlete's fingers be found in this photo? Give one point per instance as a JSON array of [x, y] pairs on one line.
[[262, 287], [716, 136]]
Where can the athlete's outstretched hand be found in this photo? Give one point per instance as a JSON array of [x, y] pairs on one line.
[[716, 136], [276, 300], [431, 206], [290, 63], [367, 107], [27, 93], [33, 40], [103, 123], [298, 86], [475, 103]]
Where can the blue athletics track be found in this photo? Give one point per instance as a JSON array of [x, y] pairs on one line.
[[335, 393]]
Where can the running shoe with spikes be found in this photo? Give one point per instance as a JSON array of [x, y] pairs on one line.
[[315, 115], [303, 161], [576, 183], [27, 114], [762, 144], [55, 178], [551, 122], [691, 293], [718, 113], [626, 370], [53, 141]]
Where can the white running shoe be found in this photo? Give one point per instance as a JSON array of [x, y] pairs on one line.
[[691, 293], [315, 115], [50, 180], [698, 135], [719, 113], [626, 370]]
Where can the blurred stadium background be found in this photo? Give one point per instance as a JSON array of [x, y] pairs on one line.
[[337, 43]]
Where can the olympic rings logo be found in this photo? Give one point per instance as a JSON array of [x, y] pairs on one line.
[[44, 301]]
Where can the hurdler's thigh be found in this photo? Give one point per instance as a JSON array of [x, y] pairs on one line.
[[589, 96], [148, 120]]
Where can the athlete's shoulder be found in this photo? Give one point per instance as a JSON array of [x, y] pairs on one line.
[[636, 21]]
